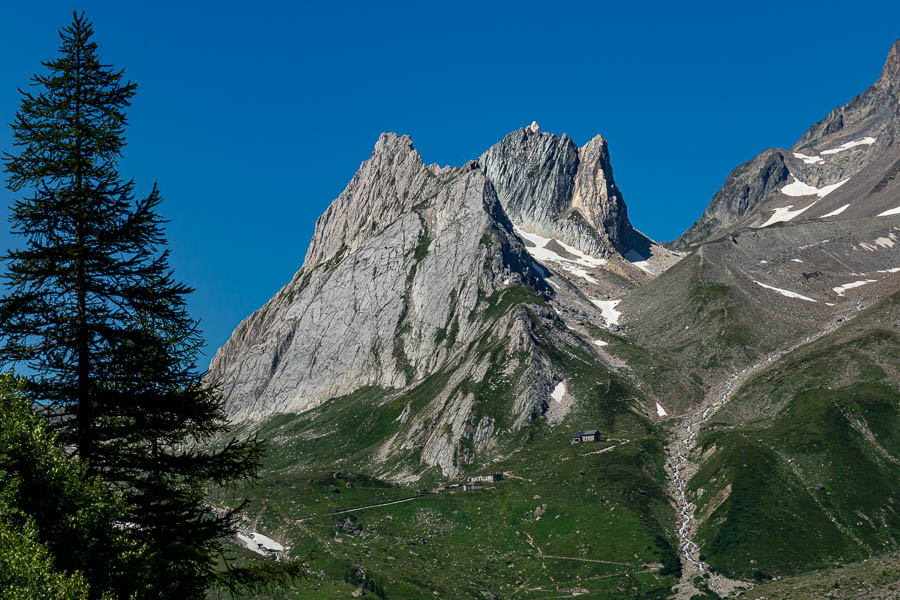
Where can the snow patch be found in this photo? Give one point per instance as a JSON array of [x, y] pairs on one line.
[[889, 212], [894, 270], [810, 160], [660, 411], [836, 212], [866, 141], [543, 254], [579, 272], [600, 343], [637, 260], [798, 188], [608, 310], [786, 293], [884, 242], [839, 290], [267, 543], [796, 260], [785, 213], [541, 270], [559, 391], [259, 543]]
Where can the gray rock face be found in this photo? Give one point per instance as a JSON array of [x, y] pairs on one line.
[[854, 142], [743, 191], [415, 271], [551, 187], [404, 256]]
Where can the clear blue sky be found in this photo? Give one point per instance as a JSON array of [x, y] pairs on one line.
[[253, 116]]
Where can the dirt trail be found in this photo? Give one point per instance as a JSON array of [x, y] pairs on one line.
[[356, 508], [680, 469]]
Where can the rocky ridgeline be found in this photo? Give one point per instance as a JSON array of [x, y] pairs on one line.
[[400, 277], [854, 144], [406, 251]]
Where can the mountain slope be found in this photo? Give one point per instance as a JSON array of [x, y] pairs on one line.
[[808, 452], [843, 167], [417, 293]]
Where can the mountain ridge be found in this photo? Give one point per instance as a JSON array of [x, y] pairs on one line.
[[846, 146]]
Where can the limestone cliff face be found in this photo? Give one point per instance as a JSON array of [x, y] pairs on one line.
[[406, 252], [854, 144], [415, 272], [549, 186]]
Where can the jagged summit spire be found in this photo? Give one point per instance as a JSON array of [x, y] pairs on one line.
[[571, 197], [890, 74]]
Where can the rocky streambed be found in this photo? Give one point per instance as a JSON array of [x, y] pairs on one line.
[[680, 469]]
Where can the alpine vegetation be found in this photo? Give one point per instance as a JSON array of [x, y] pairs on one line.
[[98, 322]]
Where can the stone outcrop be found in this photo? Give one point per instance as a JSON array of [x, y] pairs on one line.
[[406, 252], [550, 186]]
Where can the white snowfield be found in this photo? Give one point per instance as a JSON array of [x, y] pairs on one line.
[[559, 391], [259, 543], [600, 343], [836, 212], [886, 242], [608, 310], [786, 293], [539, 252], [785, 213], [889, 212], [815, 159], [810, 160], [637, 260], [894, 270], [797, 188], [866, 141], [660, 411], [839, 290]]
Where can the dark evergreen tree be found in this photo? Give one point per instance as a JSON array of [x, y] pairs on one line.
[[95, 313]]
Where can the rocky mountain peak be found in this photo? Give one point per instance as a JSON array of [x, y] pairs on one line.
[[378, 193], [549, 186], [391, 144], [890, 74], [596, 196], [854, 145]]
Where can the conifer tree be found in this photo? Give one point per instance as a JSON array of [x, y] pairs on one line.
[[94, 311]]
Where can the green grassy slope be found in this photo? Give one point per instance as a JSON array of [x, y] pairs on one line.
[[801, 470], [605, 530]]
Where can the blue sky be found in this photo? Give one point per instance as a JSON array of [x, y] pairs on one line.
[[253, 116]]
